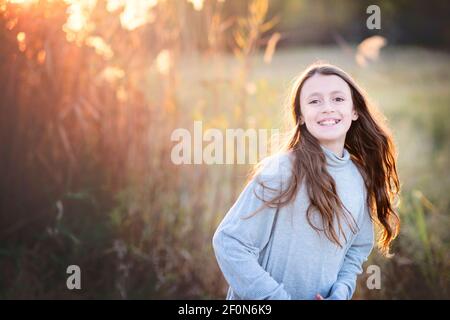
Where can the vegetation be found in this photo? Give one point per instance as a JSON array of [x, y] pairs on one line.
[[90, 98]]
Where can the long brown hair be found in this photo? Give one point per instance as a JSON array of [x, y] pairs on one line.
[[371, 148]]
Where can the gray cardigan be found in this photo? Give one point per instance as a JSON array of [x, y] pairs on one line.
[[297, 262]]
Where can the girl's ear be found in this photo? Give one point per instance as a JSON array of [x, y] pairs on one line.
[[354, 115], [302, 122]]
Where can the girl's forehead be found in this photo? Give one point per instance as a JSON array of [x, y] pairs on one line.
[[324, 84]]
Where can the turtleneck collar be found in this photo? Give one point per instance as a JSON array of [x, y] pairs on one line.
[[334, 160]]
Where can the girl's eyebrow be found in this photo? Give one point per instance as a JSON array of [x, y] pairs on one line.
[[337, 91], [320, 94], [314, 94]]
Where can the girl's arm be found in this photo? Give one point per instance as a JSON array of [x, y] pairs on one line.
[[237, 245], [357, 254]]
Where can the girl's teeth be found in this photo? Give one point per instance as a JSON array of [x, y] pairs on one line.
[[328, 122]]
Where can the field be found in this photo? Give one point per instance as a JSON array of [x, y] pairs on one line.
[[410, 86], [87, 174]]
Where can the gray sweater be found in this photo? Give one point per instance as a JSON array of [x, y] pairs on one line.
[[297, 262]]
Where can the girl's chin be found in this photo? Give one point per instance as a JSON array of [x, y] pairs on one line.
[[336, 127], [329, 137]]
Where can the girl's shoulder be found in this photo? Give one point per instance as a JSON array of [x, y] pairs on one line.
[[276, 168], [357, 177], [277, 163]]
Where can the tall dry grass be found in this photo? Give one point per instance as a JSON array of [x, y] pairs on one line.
[[86, 118], [87, 113]]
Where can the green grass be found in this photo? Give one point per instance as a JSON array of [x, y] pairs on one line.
[[410, 86], [165, 216]]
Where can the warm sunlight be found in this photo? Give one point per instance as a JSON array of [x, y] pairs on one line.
[[130, 129], [137, 13], [198, 4], [21, 36], [22, 1]]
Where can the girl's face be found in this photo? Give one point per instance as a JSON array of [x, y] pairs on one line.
[[327, 110]]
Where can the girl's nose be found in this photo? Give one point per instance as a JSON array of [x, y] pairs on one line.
[[328, 107]]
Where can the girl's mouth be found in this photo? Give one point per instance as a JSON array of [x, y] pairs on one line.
[[328, 122]]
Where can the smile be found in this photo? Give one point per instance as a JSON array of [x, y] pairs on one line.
[[328, 122]]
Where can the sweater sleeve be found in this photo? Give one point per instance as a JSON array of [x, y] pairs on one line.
[[357, 254], [238, 243]]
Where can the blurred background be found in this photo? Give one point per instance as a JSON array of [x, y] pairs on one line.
[[92, 90]]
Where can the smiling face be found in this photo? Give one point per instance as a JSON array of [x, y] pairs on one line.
[[327, 110]]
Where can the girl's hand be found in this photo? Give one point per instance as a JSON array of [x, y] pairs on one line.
[[319, 297]]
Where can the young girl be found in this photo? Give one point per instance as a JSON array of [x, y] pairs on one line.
[[303, 226]]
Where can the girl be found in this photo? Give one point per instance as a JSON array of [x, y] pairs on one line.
[[303, 226]]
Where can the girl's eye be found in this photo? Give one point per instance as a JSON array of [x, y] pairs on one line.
[[315, 101], [339, 99]]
